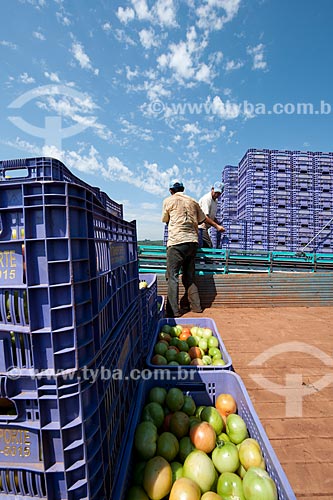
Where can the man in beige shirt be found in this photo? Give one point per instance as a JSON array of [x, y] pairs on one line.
[[183, 216]]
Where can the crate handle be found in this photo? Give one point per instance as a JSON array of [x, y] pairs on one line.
[[16, 173]]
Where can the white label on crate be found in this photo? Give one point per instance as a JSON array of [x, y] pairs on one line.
[[18, 444], [11, 265]]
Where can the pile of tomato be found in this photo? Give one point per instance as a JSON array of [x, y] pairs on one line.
[[187, 345], [187, 452]]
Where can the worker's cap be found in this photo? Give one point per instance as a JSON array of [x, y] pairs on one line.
[[218, 187], [176, 184]]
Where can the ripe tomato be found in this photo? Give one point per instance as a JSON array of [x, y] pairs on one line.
[[226, 404], [179, 424], [203, 437], [187, 331], [157, 478], [195, 352], [185, 489]]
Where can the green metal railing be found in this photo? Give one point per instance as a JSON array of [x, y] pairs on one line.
[[221, 261]]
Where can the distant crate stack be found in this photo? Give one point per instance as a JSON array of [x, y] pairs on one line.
[[279, 201]]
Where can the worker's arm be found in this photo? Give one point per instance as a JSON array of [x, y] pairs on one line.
[[165, 214], [214, 224]]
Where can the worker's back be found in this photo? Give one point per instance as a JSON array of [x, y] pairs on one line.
[[183, 215]]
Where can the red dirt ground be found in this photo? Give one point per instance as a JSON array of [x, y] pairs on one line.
[[300, 428]]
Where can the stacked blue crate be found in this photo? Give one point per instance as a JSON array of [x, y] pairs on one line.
[[165, 235], [69, 310], [235, 234], [253, 185], [227, 204], [303, 199], [253, 197], [280, 201], [323, 213]]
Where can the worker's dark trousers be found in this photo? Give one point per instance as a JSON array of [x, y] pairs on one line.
[[181, 256]]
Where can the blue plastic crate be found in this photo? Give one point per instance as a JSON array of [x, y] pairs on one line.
[[160, 307], [204, 389], [44, 169], [71, 267], [73, 424], [230, 174], [189, 322], [148, 308]]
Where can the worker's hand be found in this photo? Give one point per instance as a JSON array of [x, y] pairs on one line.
[[220, 228]]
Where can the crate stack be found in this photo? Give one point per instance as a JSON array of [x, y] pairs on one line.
[[227, 204], [286, 199], [303, 199], [235, 229], [323, 201], [280, 213], [253, 198], [69, 320]]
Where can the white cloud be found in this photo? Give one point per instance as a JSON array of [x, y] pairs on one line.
[[38, 35], [149, 177], [82, 58], [184, 59], [191, 128], [22, 145], [52, 76], [156, 90], [203, 74], [166, 12], [89, 163], [163, 60], [148, 206], [148, 38], [125, 15], [227, 111], [36, 3], [233, 65], [257, 53], [68, 105], [141, 9], [10, 45], [131, 129], [131, 74], [162, 13], [63, 18], [180, 60], [209, 13], [106, 27], [215, 57], [78, 109], [25, 78], [122, 37]]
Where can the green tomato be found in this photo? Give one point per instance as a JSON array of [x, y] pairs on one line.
[[203, 344], [236, 428], [206, 333], [213, 342], [145, 440], [229, 486], [153, 412], [207, 360], [225, 458], [258, 485], [192, 342]]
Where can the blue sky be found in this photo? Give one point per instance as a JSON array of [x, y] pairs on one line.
[[132, 94]]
